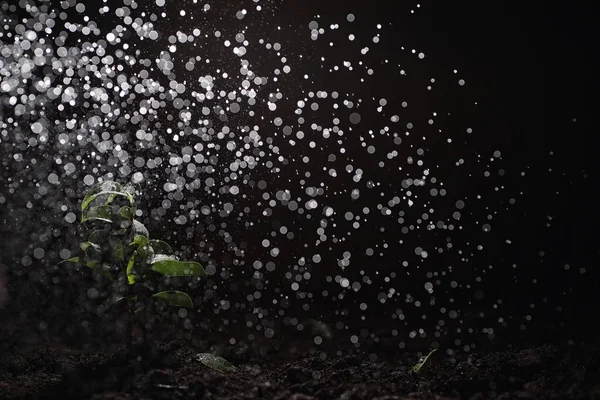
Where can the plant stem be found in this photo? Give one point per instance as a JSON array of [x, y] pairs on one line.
[[131, 323]]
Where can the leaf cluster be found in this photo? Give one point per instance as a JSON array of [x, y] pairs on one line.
[[120, 249]]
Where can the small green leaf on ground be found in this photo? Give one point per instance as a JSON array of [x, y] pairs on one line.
[[215, 362], [423, 365]]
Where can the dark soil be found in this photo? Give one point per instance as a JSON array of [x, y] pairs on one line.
[[56, 371]]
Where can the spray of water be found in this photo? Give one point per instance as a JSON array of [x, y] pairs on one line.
[[272, 154]]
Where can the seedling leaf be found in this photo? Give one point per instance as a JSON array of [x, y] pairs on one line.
[[139, 229], [72, 259], [132, 188], [85, 246], [126, 212], [112, 195], [215, 362], [92, 264], [169, 267], [160, 247], [101, 213], [97, 236], [117, 248], [175, 298], [423, 365], [119, 299], [139, 240], [162, 257], [112, 189]]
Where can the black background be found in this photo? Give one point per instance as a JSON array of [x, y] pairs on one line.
[[528, 67]]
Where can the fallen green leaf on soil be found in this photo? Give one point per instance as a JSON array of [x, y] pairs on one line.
[[423, 365], [215, 362]]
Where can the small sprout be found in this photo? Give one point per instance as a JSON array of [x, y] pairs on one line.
[[123, 249], [215, 362], [123, 246], [423, 365]]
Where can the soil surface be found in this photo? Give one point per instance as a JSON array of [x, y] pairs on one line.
[[172, 372]]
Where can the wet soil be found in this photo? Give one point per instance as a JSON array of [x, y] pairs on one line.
[[56, 371]]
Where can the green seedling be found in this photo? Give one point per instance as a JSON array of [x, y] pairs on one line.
[[423, 365], [119, 249]]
